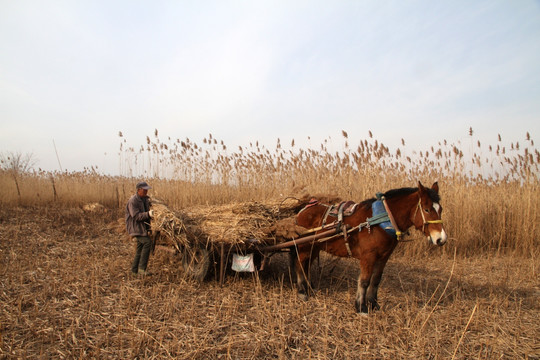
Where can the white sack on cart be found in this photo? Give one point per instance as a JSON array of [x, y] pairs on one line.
[[243, 263]]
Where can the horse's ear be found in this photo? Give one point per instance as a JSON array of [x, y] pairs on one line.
[[421, 187], [435, 187]]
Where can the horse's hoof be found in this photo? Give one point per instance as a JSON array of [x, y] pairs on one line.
[[303, 297], [361, 308], [374, 306], [364, 309]]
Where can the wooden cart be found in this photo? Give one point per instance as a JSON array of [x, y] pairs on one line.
[[207, 237]]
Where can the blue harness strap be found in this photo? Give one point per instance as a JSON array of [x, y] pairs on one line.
[[380, 216]]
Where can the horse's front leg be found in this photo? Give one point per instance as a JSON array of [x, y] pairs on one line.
[[371, 296], [366, 270]]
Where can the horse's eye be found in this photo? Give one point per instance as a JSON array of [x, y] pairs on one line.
[[426, 210]]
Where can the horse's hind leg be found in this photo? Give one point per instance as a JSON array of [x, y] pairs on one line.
[[301, 264]]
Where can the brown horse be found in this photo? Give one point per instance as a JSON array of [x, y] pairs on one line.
[[371, 238]]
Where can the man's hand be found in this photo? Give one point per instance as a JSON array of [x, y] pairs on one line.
[[151, 213]]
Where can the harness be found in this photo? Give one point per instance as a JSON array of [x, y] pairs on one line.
[[382, 216], [339, 211]]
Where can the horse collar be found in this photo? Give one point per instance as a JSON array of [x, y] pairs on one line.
[[392, 220], [383, 217]]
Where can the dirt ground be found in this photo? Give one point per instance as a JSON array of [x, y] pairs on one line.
[[66, 292]]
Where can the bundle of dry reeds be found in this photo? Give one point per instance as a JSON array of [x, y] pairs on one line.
[[231, 223], [169, 225], [269, 222]]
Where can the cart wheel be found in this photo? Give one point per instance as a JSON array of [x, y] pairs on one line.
[[196, 262]]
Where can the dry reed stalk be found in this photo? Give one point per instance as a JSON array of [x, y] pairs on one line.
[[464, 331], [441, 296]]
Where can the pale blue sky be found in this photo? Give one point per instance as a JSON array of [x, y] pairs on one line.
[[78, 72]]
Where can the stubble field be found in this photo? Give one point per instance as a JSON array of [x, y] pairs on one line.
[[66, 292]]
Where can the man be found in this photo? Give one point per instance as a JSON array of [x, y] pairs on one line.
[[138, 216]]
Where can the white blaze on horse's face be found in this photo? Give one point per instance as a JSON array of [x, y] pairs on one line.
[[437, 237]]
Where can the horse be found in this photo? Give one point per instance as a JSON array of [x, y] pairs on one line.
[[371, 238]]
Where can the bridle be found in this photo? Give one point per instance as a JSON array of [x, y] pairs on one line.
[[424, 221]]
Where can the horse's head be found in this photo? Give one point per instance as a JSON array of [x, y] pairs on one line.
[[427, 215]]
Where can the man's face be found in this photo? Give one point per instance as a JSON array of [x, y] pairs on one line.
[[142, 192]]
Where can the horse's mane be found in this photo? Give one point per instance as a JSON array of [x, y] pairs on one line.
[[400, 192], [433, 195]]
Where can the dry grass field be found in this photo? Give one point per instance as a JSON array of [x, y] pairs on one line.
[[66, 289], [66, 292]]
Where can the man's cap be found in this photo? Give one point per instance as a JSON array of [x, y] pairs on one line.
[[143, 185]]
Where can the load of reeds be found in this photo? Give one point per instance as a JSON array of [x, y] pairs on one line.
[[267, 222]]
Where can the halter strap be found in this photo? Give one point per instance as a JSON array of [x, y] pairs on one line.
[[424, 221]]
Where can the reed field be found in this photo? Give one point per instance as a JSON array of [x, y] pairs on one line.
[[66, 289]]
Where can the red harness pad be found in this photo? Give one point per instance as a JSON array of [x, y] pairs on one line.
[[312, 202]]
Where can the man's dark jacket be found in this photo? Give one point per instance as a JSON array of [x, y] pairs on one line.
[[137, 216]]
